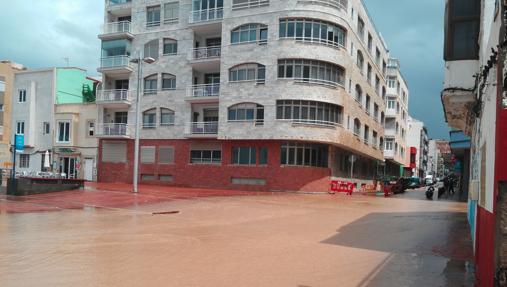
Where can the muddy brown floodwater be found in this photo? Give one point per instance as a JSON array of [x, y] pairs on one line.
[[250, 240]]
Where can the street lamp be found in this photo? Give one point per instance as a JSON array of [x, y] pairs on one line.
[[139, 61]]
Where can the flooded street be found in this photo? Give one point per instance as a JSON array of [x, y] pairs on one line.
[[229, 240]]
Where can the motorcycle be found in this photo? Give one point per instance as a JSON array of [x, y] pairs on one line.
[[429, 192]]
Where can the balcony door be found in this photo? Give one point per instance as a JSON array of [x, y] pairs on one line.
[[121, 84], [213, 78], [121, 117], [210, 115], [213, 42]]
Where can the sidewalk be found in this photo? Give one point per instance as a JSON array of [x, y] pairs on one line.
[[107, 195]]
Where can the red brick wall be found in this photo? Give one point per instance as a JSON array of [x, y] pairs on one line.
[[219, 176]]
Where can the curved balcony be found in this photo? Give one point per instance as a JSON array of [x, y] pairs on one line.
[[114, 98], [119, 7], [338, 4], [117, 30]]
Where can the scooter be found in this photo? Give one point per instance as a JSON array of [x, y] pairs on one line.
[[430, 192]]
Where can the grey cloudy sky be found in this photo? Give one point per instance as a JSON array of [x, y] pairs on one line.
[[51, 30]]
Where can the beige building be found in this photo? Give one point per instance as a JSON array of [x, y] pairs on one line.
[[7, 70], [75, 154]]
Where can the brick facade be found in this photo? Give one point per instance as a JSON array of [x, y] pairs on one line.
[[184, 173]]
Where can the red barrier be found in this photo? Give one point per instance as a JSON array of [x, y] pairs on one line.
[[342, 186]]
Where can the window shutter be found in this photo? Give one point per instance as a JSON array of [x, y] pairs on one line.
[[166, 154], [114, 151], [147, 154]]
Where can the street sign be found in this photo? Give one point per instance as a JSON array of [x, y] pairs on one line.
[[19, 143]]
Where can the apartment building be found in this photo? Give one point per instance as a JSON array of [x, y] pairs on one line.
[[396, 118], [54, 109], [417, 148], [247, 94], [7, 71], [475, 101]]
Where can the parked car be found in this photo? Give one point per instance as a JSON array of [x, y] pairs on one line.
[[414, 182]]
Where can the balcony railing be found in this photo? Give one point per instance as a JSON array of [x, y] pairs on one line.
[[107, 96], [118, 2], [207, 53], [117, 27], [204, 128], [115, 62], [206, 15], [208, 90], [340, 4], [250, 4], [114, 129]]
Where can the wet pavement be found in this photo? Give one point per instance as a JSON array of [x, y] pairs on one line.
[[106, 236]]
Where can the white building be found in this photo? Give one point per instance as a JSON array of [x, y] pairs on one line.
[[417, 147], [49, 110], [273, 95], [396, 117]]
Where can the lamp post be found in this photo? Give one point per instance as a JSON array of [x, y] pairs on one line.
[[139, 61]]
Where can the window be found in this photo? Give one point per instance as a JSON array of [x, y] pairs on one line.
[[166, 117], [366, 133], [389, 144], [377, 85], [357, 127], [384, 68], [360, 28], [370, 43], [63, 135], [168, 82], [246, 112], [391, 103], [20, 128], [377, 56], [166, 155], [302, 154], [249, 33], [462, 26], [359, 94], [263, 157], [241, 4], [2, 86], [149, 118], [391, 82], [170, 47], [360, 61], [150, 84], [91, 128], [367, 105], [248, 72], [114, 151], [375, 111], [374, 138], [151, 49], [24, 160], [311, 30], [46, 128], [206, 156], [22, 96], [311, 71], [368, 74], [147, 154], [244, 155], [153, 16], [171, 12], [309, 112], [384, 92]]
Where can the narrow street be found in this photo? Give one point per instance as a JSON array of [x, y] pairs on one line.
[[225, 238]]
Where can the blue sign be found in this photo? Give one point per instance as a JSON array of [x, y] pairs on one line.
[[19, 142]]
